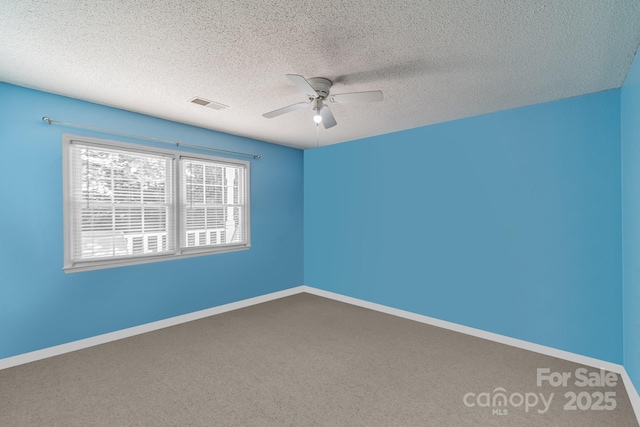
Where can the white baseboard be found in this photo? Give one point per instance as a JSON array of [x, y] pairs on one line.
[[137, 330], [632, 393], [514, 342], [165, 323]]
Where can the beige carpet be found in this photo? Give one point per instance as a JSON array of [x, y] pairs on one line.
[[301, 361]]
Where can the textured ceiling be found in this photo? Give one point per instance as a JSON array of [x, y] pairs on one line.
[[434, 60]]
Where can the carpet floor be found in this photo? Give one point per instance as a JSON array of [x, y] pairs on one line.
[[304, 360]]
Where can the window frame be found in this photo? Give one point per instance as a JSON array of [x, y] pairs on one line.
[[180, 251]]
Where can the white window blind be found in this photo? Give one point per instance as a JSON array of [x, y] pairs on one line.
[[126, 204], [121, 203], [213, 203]]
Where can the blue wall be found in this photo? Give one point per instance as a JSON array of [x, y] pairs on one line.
[[630, 106], [508, 222], [40, 306]]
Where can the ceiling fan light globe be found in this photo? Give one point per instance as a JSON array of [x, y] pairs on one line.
[[317, 118]]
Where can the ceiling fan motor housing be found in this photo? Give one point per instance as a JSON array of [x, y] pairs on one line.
[[317, 90], [321, 85]]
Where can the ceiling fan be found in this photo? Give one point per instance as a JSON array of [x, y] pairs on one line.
[[318, 90]]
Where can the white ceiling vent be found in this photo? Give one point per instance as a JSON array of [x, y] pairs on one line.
[[207, 103]]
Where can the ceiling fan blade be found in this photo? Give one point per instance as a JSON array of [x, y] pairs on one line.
[[343, 98], [327, 117], [283, 110], [302, 84]]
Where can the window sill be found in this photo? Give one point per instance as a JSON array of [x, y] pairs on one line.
[[189, 253]]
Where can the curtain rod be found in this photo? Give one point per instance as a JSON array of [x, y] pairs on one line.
[[168, 141]]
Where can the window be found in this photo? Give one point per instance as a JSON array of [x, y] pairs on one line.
[[127, 204]]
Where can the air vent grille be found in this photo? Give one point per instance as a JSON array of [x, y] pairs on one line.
[[208, 103]]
